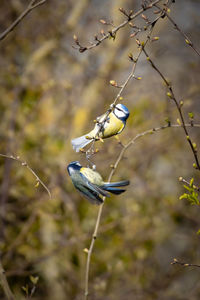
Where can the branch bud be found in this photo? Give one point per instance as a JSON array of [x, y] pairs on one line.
[[113, 83], [103, 22], [194, 166]]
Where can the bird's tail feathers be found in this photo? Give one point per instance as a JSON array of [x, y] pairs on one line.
[[115, 191], [117, 184], [80, 142]]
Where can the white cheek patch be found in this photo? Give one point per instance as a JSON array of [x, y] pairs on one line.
[[119, 113]]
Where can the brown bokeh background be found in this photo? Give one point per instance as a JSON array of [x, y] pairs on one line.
[[51, 93]]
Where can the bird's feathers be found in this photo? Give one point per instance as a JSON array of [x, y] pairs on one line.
[[117, 184], [111, 124], [80, 142], [91, 185], [115, 191]]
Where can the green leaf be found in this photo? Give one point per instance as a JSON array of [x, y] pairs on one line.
[[191, 115], [191, 182], [33, 279], [25, 289]]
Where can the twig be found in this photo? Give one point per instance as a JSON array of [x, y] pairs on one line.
[[112, 33], [130, 143], [171, 95], [122, 87], [181, 179], [23, 163], [5, 285], [125, 147], [91, 151], [33, 4], [147, 132], [176, 262], [187, 39], [89, 252]]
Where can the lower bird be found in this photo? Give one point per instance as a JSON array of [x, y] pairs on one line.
[[91, 185], [105, 127]]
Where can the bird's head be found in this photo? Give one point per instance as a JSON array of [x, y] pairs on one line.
[[121, 112], [73, 166]]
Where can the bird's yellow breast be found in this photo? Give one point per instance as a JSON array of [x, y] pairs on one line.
[[92, 176], [112, 127]]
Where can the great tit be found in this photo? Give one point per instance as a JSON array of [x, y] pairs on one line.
[[113, 125], [91, 185]]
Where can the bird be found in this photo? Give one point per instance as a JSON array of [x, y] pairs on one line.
[[91, 185], [105, 127]]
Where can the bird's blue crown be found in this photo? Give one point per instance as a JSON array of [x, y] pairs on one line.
[[73, 166], [121, 112]]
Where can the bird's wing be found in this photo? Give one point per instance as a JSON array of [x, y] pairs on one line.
[[93, 187], [93, 197], [94, 180]]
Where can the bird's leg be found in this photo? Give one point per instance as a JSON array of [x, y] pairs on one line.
[[118, 140]]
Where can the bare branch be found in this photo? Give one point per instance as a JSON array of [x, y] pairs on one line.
[[112, 33], [121, 154], [178, 104], [33, 4], [5, 285], [187, 39], [24, 163], [91, 150], [176, 262]]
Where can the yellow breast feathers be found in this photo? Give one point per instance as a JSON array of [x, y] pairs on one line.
[[112, 127], [92, 176]]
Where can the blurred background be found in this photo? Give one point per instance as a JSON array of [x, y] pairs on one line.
[[51, 93]]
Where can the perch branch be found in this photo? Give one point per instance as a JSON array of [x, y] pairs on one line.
[[125, 147]]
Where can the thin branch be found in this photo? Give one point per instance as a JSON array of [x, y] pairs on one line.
[[125, 147], [178, 104], [122, 87], [131, 75], [24, 163], [112, 33], [181, 179], [91, 150], [187, 39], [147, 132], [5, 285], [32, 5], [176, 262]]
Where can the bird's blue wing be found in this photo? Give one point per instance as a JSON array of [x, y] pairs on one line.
[[93, 187]]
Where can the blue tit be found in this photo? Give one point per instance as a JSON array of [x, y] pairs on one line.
[[91, 185], [115, 123]]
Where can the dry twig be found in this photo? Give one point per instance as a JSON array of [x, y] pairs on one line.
[[178, 104], [24, 163], [121, 154], [5, 285], [33, 4], [187, 39], [176, 262], [112, 33]]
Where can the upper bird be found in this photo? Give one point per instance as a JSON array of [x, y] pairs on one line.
[[91, 185], [114, 124]]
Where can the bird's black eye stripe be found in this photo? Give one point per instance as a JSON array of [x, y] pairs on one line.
[[119, 109]]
